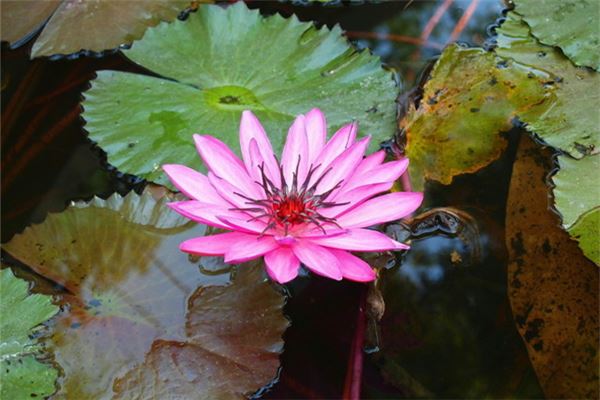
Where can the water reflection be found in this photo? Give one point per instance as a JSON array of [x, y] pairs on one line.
[[416, 22], [435, 252], [448, 331]]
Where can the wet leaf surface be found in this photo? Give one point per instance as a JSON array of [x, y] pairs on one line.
[[225, 61], [571, 25], [577, 198], [21, 314], [128, 284], [90, 25], [553, 288], [470, 98], [570, 123], [234, 340]]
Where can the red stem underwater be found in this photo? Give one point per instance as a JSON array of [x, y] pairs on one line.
[[353, 381]]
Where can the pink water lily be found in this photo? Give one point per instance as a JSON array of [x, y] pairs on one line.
[[313, 207]]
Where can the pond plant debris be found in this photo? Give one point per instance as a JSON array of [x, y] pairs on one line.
[[313, 206]]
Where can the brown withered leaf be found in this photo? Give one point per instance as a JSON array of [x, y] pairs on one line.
[[234, 340], [553, 288], [91, 25], [22, 18]]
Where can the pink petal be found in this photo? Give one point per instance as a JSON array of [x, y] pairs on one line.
[[316, 232], [340, 141], [218, 216], [353, 268], [388, 172], [316, 132], [227, 192], [214, 245], [221, 161], [354, 197], [249, 248], [343, 166], [252, 130], [318, 259], [199, 212], [388, 207], [295, 152], [360, 240], [371, 161], [192, 183], [246, 224], [282, 265]]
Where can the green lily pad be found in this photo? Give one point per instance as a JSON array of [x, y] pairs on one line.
[[577, 198], [91, 25], [576, 191], [219, 62], [587, 232], [233, 346], [571, 25], [571, 123], [469, 99], [552, 287], [22, 376]]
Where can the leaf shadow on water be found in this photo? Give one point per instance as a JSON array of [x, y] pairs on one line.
[[448, 330]]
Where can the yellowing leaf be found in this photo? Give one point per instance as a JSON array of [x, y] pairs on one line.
[[553, 288], [470, 98]]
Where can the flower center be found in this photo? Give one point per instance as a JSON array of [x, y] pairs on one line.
[[291, 205], [292, 210]]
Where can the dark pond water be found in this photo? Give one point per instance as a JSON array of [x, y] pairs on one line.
[[447, 331]]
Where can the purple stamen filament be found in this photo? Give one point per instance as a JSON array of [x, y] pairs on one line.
[[293, 205]]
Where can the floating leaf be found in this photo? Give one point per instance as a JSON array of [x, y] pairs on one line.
[[130, 289], [128, 283], [21, 374], [470, 98], [91, 25], [553, 288], [233, 347], [576, 191], [587, 233], [220, 62], [571, 25], [20, 19], [577, 198], [570, 123]]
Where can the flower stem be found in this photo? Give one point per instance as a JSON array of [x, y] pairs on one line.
[[353, 381]]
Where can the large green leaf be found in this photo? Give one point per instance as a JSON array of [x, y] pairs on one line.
[[587, 233], [22, 376], [572, 25], [553, 288], [219, 62], [470, 98], [129, 287], [577, 198], [571, 124]]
